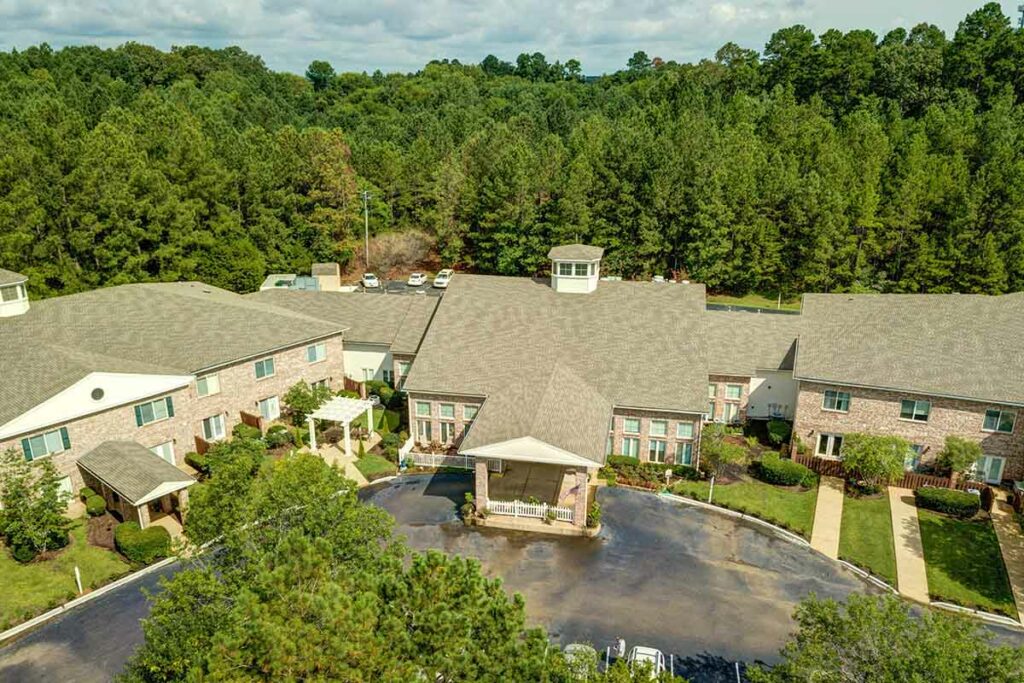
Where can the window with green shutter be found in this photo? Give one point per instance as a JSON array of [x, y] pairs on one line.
[[46, 444], [154, 411]]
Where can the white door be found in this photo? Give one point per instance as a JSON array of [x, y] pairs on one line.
[[165, 451], [989, 468]]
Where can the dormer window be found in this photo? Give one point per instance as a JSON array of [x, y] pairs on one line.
[[13, 293], [575, 268]]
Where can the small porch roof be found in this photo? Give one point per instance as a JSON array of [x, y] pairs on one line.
[[530, 449], [342, 409], [136, 473]]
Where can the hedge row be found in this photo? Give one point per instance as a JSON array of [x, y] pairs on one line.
[[95, 505], [949, 501], [774, 470], [651, 475], [142, 545]]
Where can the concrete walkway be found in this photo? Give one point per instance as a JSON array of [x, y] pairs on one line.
[[335, 456], [828, 517], [911, 576], [1011, 543]]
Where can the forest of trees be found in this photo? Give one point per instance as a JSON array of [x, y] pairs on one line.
[[839, 162]]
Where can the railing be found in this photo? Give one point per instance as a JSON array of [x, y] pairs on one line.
[[517, 508], [832, 467], [406, 448], [466, 462]]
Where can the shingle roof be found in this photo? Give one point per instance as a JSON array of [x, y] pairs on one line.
[[575, 252], [959, 345], [743, 342], [131, 469], [399, 320], [627, 344], [170, 328], [9, 277]]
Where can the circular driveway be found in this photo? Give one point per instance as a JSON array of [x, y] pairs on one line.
[[684, 580]]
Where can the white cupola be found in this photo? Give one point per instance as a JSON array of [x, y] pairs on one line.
[[575, 268], [13, 293]]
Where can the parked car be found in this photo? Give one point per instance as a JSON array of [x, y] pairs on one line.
[[640, 655], [581, 660], [416, 280], [443, 277], [370, 281]]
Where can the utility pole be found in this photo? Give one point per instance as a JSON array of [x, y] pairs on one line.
[[366, 225], [1020, 23]]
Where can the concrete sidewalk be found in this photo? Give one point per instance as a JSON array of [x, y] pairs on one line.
[[910, 569], [1011, 544], [333, 455], [828, 517]]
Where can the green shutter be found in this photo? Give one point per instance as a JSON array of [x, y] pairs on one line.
[[138, 416], [170, 407], [65, 439], [27, 447]]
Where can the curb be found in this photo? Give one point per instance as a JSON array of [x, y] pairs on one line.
[[997, 619], [868, 576], [82, 599], [784, 533]]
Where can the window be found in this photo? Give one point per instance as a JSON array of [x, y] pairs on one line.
[[389, 376], [582, 269], [368, 374], [446, 411], [684, 430], [656, 451], [989, 468], [733, 392], [320, 384], [659, 428], [712, 392], [403, 371], [999, 421], [264, 368], [270, 408], [631, 446], [422, 408], [838, 401], [830, 445], [565, 269], [684, 453], [208, 385], [915, 410], [469, 413], [447, 432], [912, 460], [609, 445], [46, 444], [213, 428], [64, 487], [631, 425], [165, 450], [154, 411], [316, 352], [423, 431], [731, 412], [12, 293]]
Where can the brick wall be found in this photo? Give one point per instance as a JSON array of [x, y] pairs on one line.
[[875, 411], [618, 434], [721, 383], [435, 419], [239, 391]]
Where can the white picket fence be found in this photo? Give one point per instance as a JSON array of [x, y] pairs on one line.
[[406, 448], [466, 462], [517, 508]]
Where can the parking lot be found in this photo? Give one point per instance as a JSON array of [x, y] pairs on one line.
[[400, 287]]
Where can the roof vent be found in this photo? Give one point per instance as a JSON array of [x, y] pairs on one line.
[[97, 394]]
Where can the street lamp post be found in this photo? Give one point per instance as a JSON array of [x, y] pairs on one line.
[[366, 226]]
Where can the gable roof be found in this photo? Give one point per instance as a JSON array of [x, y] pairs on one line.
[[743, 342], [958, 345], [9, 277], [136, 473], [575, 252]]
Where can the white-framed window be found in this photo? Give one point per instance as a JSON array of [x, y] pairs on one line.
[[989, 468], [264, 368], [316, 352], [656, 450], [446, 411], [631, 446], [12, 293], [712, 393], [733, 392], [731, 412], [270, 408], [213, 428], [684, 453], [389, 376], [154, 411], [565, 269], [46, 444], [915, 410], [830, 445], [469, 413], [208, 385], [684, 430], [404, 367], [423, 431], [165, 450], [447, 432], [631, 425], [423, 408], [838, 401], [999, 421], [368, 374], [912, 460], [64, 487], [659, 428], [581, 269], [320, 384], [609, 445]]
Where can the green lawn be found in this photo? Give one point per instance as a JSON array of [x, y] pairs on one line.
[[755, 301], [375, 466], [379, 415], [865, 537], [964, 563], [30, 589], [785, 507]]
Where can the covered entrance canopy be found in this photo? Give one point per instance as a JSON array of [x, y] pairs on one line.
[[340, 409]]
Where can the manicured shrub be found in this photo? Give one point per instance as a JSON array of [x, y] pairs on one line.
[[686, 472], [949, 501], [199, 463], [278, 436], [23, 553], [86, 493], [244, 431], [779, 431], [95, 505], [142, 545], [594, 514], [774, 470], [382, 389], [390, 440]]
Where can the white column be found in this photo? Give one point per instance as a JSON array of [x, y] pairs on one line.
[[312, 433], [369, 422], [348, 441]]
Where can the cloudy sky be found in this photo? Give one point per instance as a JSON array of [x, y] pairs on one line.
[[402, 35]]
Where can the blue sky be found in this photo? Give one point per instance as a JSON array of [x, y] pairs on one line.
[[402, 35]]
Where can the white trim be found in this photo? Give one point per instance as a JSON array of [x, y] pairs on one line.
[[163, 490], [530, 449]]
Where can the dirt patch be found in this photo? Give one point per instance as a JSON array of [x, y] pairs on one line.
[[100, 532]]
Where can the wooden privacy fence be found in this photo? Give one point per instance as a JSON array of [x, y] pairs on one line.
[[911, 480], [251, 420], [352, 385]]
